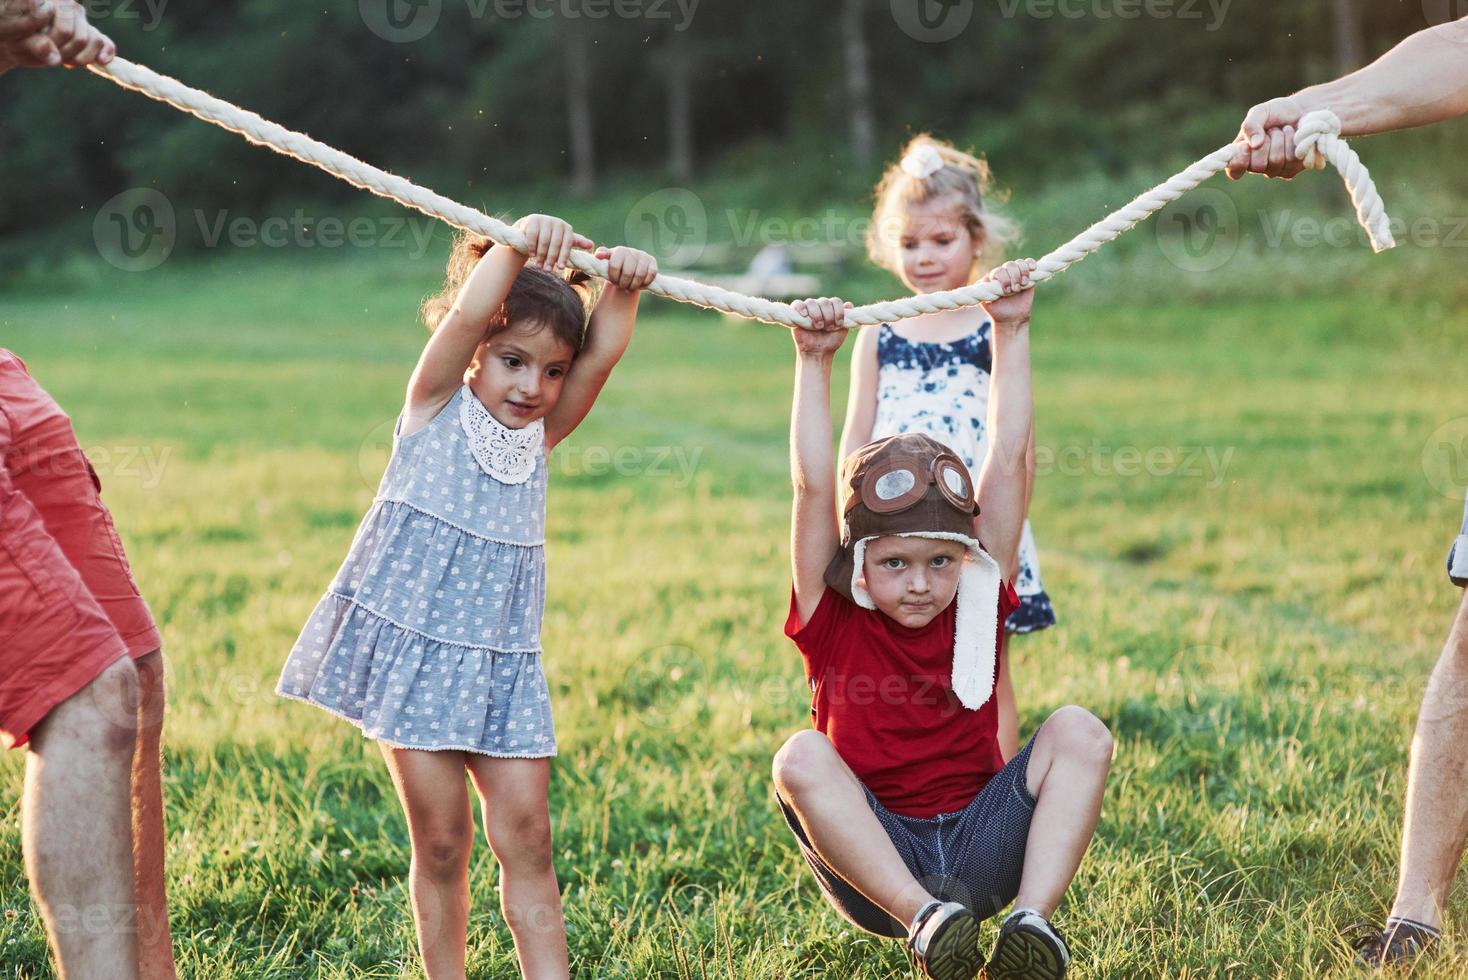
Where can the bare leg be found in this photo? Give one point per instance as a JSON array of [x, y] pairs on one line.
[[1067, 775], [1436, 824], [827, 797], [441, 826], [512, 793], [77, 835], [155, 942], [1008, 715]]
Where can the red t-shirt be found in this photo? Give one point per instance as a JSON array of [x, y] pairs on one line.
[[882, 694]]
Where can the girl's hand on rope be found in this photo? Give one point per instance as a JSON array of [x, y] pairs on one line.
[[549, 241], [827, 330], [629, 269], [1013, 308]]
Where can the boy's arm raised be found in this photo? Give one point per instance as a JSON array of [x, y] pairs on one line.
[[1004, 483], [815, 533]]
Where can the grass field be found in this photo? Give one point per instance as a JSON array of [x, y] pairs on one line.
[[1237, 521]]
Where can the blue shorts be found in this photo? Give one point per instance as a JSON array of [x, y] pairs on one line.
[[1458, 557], [973, 856]]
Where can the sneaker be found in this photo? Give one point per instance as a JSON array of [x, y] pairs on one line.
[[1397, 943], [944, 939], [1028, 948]]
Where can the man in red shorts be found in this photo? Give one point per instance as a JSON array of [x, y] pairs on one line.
[[81, 670]]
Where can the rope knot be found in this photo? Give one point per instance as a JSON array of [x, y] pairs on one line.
[[1312, 129]]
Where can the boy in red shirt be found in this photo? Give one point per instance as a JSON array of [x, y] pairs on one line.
[[902, 805]]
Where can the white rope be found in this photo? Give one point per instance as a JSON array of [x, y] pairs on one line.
[[1318, 139]]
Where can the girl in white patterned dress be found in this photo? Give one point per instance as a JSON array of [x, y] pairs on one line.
[[933, 228], [429, 637]]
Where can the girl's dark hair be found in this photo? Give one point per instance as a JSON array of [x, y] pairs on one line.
[[557, 302]]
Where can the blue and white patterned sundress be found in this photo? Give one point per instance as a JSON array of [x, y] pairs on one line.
[[429, 636], [942, 390]]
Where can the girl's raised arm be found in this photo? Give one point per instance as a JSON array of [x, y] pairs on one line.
[[861, 402], [629, 271], [451, 348], [1004, 483]]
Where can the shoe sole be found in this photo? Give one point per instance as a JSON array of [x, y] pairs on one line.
[[954, 952], [1026, 955]]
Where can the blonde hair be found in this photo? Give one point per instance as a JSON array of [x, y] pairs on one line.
[[961, 176]]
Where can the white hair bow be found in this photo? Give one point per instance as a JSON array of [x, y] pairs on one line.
[[922, 162]]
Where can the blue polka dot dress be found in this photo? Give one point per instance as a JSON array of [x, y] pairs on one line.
[[429, 635], [942, 390]]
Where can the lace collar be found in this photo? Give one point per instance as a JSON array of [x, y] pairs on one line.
[[504, 453]]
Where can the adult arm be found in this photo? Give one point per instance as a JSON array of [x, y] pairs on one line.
[[1421, 81], [48, 33]]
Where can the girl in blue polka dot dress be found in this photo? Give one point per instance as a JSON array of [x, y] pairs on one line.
[[428, 639], [933, 228]]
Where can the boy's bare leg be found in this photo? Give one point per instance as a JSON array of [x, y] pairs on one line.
[[76, 831], [1067, 775], [828, 799], [155, 941], [1436, 824]]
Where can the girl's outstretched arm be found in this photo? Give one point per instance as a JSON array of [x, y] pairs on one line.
[[1004, 483], [861, 403], [815, 534], [451, 348], [629, 271]]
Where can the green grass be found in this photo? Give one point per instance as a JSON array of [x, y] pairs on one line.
[[1256, 634]]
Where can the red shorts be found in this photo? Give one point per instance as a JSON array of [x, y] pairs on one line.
[[69, 607]]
